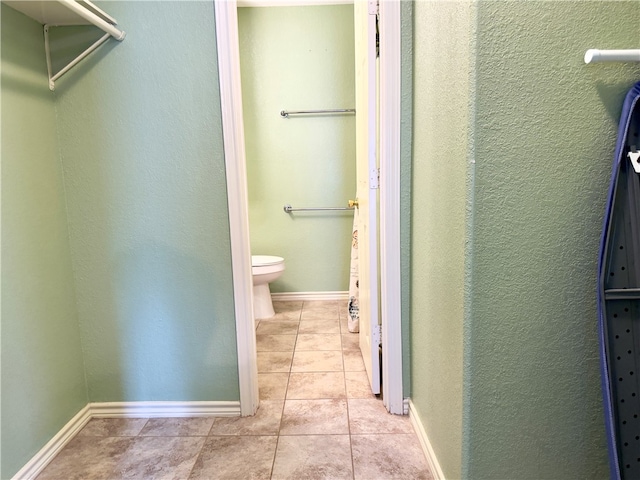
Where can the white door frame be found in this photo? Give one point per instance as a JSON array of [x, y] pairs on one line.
[[390, 272], [235, 164]]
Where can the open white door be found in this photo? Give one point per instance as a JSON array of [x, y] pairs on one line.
[[367, 186]]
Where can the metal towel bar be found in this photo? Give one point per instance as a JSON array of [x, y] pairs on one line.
[[286, 113], [288, 209]]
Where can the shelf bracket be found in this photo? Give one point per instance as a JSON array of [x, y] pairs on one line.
[[109, 29], [72, 63]]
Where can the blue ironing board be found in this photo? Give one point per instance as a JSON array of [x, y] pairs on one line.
[[619, 300]]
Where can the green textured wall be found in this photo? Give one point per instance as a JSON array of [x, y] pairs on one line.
[[300, 58], [140, 138], [406, 150], [441, 96], [544, 137], [43, 383]]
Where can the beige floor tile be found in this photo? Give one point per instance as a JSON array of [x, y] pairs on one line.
[[269, 362], [314, 417], [283, 317], [350, 341], [319, 315], [316, 385], [388, 457], [344, 325], [286, 310], [86, 457], [358, 385], [177, 427], [324, 361], [277, 327], [368, 415], [266, 421], [273, 386], [330, 306], [313, 457], [323, 325], [166, 458], [352, 361], [227, 458], [275, 343], [285, 306], [318, 341], [113, 427]]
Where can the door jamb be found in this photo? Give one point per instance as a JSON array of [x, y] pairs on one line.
[[226, 23], [390, 272], [237, 198]]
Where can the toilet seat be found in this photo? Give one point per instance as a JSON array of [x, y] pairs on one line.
[[265, 260]]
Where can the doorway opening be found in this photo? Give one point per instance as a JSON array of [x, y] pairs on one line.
[[233, 132]]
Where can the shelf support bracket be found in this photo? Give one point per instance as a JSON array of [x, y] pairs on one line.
[[109, 29], [73, 63]]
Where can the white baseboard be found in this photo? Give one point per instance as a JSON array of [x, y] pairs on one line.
[[41, 459], [164, 409], [434, 465], [120, 410], [292, 296]]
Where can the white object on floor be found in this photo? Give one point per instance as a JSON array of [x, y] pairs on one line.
[[354, 275], [265, 269]]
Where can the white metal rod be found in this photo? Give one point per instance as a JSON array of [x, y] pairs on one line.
[[595, 55], [288, 209], [77, 60], [93, 18], [286, 114], [108, 18]]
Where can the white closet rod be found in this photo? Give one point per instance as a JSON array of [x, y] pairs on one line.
[[595, 55], [93, 18]]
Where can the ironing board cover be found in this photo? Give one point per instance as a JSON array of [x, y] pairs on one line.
[[619, 310]]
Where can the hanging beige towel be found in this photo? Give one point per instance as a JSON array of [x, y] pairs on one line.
[[354, 312]]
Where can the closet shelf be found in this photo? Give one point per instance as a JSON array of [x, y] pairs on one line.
[[61, 13]]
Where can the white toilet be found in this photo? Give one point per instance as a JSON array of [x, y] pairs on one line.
[[265, 269]]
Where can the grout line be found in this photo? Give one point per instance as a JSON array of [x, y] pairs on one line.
[[346, 393], [145, 424], [199, 454], [284, 401]]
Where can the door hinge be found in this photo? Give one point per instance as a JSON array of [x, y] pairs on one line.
[[374, 179], [376, 336], [374, 9]]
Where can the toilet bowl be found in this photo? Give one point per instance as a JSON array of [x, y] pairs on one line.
[[265, 269]]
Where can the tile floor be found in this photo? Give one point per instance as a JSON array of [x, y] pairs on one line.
[[317, 419]]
